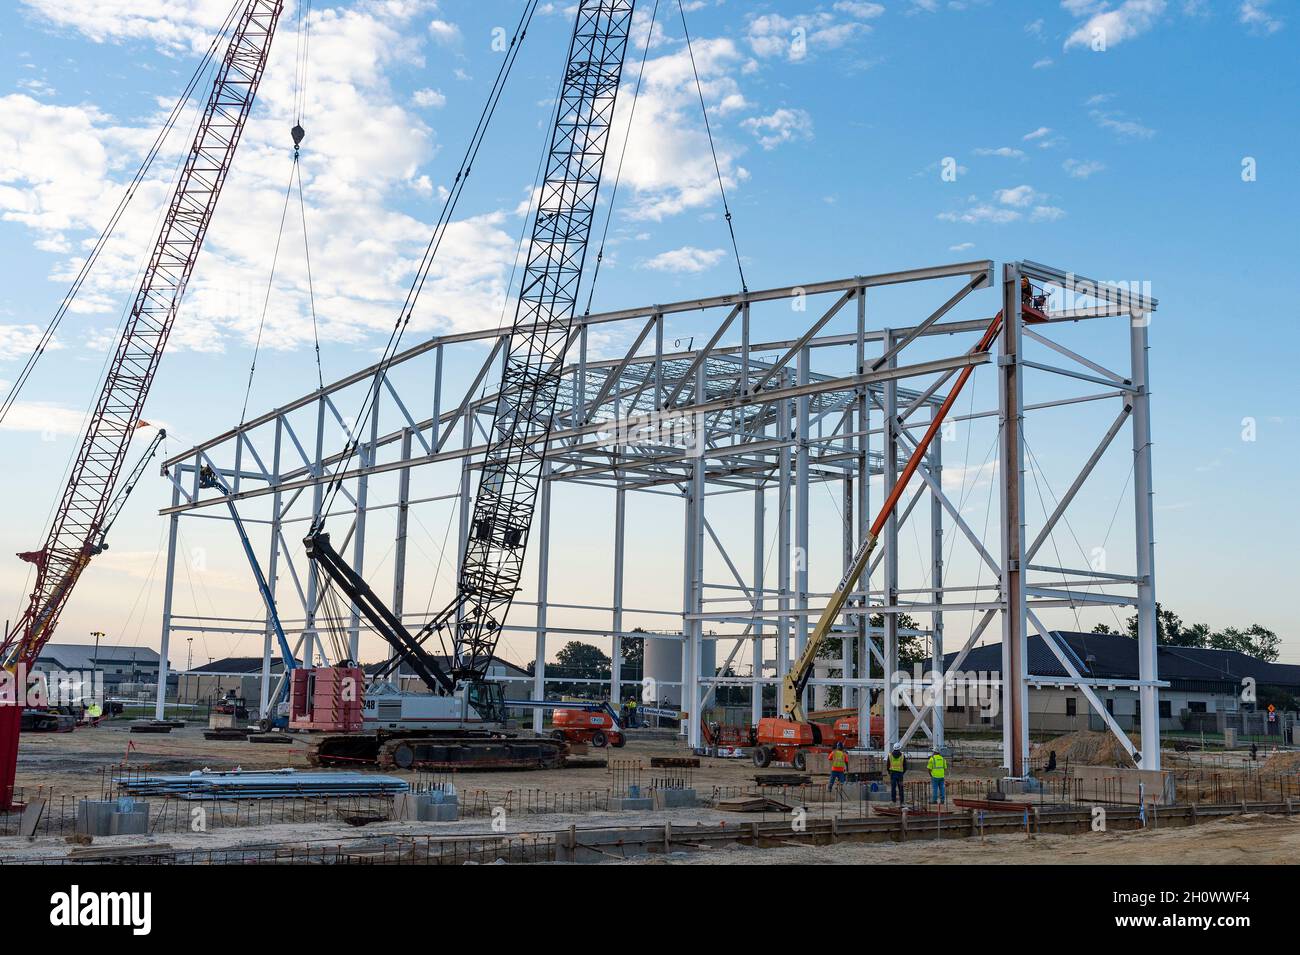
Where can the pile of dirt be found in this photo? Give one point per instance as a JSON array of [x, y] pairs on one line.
[[1280, 763], [1085, 748]]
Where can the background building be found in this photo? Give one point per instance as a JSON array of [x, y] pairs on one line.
[[1205, 691]]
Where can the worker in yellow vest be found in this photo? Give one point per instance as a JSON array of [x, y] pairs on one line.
[[839, 766], [897, 767], [937, 766]]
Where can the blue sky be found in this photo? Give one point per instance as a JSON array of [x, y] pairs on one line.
[[833, 123]]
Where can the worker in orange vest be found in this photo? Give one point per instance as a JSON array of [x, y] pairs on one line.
[[839, 766]]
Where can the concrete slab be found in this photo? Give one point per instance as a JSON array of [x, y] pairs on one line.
[[673, 798], [630, 804]]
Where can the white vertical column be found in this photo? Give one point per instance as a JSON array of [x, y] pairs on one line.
[[936, 581], [802, 514], [1015, 700], [864, 518], [756, 686], [400, 537], [616, 642], [890, 596], [266, 705], [543, 591], [309, 635], [169, 584], [783, 545], [1144, 528]]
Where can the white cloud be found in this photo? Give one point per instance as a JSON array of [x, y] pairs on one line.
[[1042, 63], [1256, 16], [794, 38], [961, 246], [1009, 205], [444, 31], [62, 169], [1005, 152], [1130, 19], [859, 9], [1017, 196], [686, 259], [427, 98], [1042, 132], [1119, 124], [173, 27], [779, 127], [668, 165], [44, 417], [1082, 168], [18, 341]]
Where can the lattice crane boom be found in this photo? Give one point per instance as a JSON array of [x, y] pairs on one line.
[[470, 626], [525, 407]]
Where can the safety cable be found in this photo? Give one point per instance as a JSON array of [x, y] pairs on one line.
[[132, 188], [717, 168], [266, 299], [311, 285], [431, 249]]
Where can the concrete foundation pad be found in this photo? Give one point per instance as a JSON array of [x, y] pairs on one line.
[[673, 798], [426, 807], [630, 803], [111, 817]]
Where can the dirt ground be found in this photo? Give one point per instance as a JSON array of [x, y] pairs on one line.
[[76, 764], [1240, 840]]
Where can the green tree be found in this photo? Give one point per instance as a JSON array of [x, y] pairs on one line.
[[1255, 640], [1170, 631], [582, 661]]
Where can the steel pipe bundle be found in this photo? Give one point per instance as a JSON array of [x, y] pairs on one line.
[[273, 784]]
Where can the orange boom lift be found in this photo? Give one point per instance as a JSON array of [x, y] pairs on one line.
[[788, 737]]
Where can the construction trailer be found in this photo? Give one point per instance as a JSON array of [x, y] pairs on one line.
[[762, 404]]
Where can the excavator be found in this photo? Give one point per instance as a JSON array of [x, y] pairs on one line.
[[789, 737], [460, 723]]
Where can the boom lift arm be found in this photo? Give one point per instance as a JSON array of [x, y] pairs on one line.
[[796, 679]]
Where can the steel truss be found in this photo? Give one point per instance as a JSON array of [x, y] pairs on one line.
[[736, 412]]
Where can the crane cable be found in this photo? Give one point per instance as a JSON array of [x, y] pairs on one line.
[[295, 178], [717, 168], [101, 241]]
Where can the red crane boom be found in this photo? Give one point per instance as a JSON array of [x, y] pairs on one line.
[[89, 489]]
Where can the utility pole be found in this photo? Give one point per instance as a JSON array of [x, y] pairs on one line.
[[94, 660]]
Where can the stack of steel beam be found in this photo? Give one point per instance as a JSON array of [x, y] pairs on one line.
[[272, 784]]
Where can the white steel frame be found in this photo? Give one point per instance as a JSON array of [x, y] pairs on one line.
[[767, 425]]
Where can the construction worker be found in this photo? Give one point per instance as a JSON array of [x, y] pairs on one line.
[[631, 712], [839, 766], [897, 767], [93, 712], [937, 766]]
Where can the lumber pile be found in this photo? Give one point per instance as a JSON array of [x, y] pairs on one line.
[[752, 803]]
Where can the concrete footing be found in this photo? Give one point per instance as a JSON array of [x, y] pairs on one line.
[[112, 817], [630, 803], [426, 807], [673, 798]]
